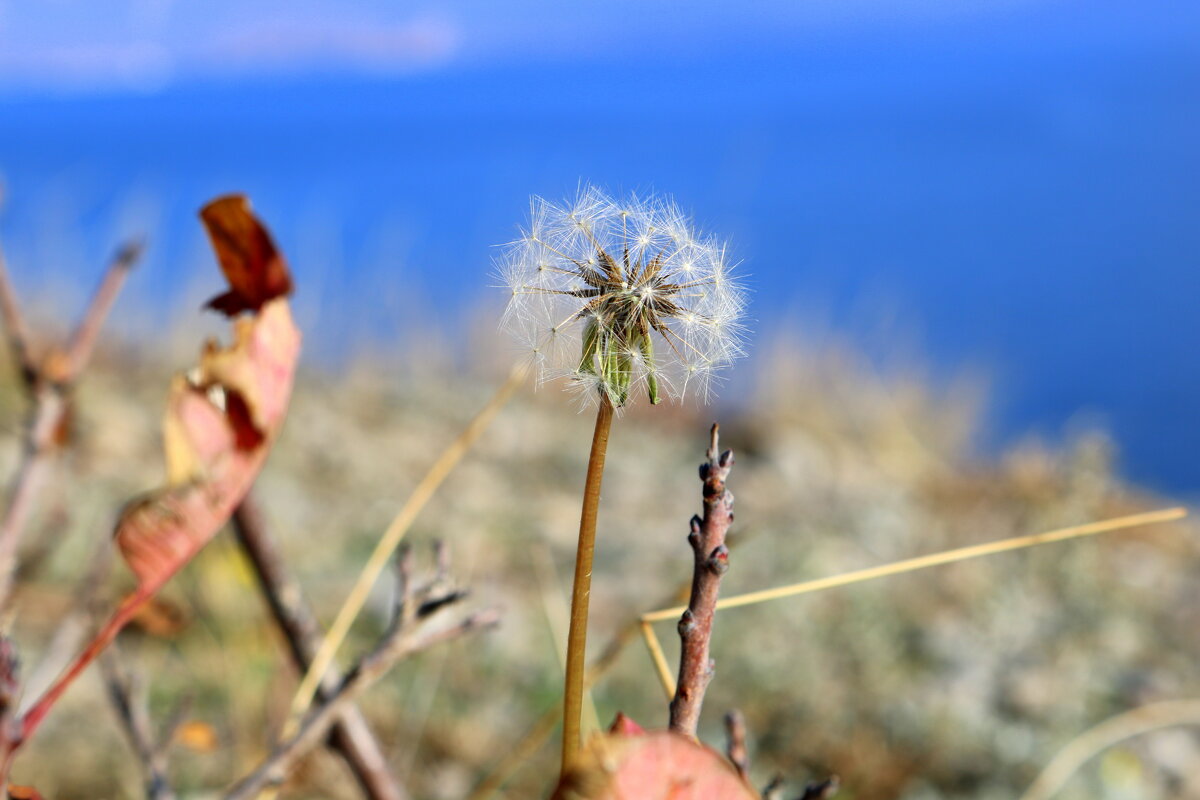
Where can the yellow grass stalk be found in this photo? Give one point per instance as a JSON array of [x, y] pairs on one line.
[[390, 540], [1112, 731], [659, 659], [933, 560]]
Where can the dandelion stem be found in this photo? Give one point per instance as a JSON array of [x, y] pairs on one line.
[[581, 591]]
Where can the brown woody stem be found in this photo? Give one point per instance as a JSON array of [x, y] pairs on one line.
[[351, 735], [735, 749], [49, 387], [395, 646], [711, 562], [582, 588]]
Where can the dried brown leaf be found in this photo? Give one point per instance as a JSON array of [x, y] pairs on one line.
[[251, 262]]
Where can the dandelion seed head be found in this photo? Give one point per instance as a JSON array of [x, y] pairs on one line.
[[622, 298]]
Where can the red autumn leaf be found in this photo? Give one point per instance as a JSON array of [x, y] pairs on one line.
[[659, 765], [220, 422], [251, 263]]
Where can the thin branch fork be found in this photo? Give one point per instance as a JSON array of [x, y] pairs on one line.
[[49, 385], [711, 556], [406, 636], [351, 736]]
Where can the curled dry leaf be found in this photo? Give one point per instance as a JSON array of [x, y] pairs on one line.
[[220, 421], [252, 264], [660, 765], [222, 416]]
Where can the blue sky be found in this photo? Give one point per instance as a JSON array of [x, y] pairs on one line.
[[146, 45]]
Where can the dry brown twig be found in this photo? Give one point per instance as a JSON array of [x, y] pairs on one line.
[[408, 634], [351, 736], [391, 539], [49, 384], [707, 539], [124, 685], [128, 697], [735, 748]]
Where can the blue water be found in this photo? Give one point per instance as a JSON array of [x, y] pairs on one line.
[[1030, 212]]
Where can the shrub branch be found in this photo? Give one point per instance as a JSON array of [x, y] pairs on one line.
[[711, 562], [351, 737]]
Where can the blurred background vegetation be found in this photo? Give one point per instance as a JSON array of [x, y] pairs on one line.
[[960, 682]]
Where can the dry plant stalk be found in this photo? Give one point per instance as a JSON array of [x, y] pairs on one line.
[[49, 384], [711, 562], [897, 568], [408, 634], [735, 747], [322, 660], [129, 699], [936, 559], [351, 736], [1136, 722]]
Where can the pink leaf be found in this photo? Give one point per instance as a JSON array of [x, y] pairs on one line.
[[659, 765], [220, 422]]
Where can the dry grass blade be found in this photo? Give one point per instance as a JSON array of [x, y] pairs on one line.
[[388, 543], [935, 559], [1113, 730], [659, 658], [351, 735]]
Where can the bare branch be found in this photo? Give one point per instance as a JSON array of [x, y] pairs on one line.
[[49, 388], [711, 562], [125, 691], [396, 645], [83, 340], [49, 415], [403, 607], [735, 728], [351, 736]]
